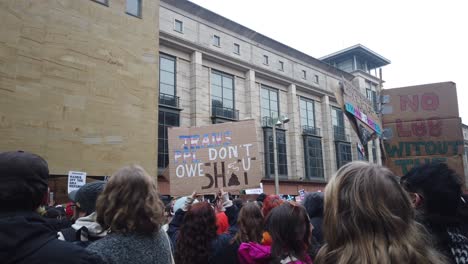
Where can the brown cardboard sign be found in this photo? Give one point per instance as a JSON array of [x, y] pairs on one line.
[[360, 107], [420, 102], [421, 125], [204, 159], [424, 138], [359, 110], [400, 166]]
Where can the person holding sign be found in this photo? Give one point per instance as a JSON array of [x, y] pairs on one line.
[[193, 230]]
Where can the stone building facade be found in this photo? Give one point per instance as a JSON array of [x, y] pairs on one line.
[[215, 70], [79, 84]]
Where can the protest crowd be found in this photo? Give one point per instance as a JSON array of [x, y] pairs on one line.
[[365, 214]]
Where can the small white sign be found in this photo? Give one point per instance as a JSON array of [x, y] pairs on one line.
[[76, 179], [253, 191]]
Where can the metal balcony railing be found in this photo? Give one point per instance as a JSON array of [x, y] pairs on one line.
[[169, 100], [339, 133], [311, 131], [224, 112]]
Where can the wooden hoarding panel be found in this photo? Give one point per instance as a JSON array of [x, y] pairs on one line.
[[204, 159], [420, 102]]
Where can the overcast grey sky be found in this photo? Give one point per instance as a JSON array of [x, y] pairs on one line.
[[426, 41]]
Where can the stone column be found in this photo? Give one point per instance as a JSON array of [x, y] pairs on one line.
[[295, 135], [379, 153], [252, 96], [329, 155], [199, 102]]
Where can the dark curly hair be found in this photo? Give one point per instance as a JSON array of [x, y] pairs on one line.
[[440, 186], [250, 223], [196, 234], [130, 203]]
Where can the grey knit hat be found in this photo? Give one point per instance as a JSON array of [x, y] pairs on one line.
[[87, 196]]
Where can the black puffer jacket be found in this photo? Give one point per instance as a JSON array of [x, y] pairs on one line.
[[27, 238]]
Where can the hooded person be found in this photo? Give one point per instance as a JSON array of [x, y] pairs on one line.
[[26, 237], [85, 229], [313, 203]]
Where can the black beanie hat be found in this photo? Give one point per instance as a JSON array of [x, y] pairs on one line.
[[23, 180]]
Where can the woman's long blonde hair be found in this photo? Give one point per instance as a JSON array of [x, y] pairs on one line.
[[368, 219]]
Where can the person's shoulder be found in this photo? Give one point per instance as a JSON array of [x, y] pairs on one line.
[[57, 251]]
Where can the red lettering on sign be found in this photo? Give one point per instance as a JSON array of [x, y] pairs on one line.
[[401, 130], [430, 101], [435, 127], [413, 104], [420, 128]]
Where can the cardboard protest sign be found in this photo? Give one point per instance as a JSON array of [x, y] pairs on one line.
[[204, 159], [76, 179], [436, 100], [400, 166], [421, 125], [359, 110], [424, 138]]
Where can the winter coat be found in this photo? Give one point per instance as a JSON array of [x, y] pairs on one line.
[[25, 237], [116, 248], [83, 231], [450, 236], [254, 253], [227, 254]]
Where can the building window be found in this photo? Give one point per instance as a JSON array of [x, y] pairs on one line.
[[134, 7], [222, 95], [281, 153], [281, 66], [338, 124], [167, 79], [304, 74], [343, 153], [166, 119], [313, 157], [178, 26], [307, 109], [236, 48], [103, 2], [316, 78], [371, 94], [374, 150], [216, 41], [269, 103], [265, 59]]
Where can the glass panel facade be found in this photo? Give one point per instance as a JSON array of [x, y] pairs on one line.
[[134, 7], [269, 102], [166, 120], [338, 124], [167, 75], [343, 153], [281, 153], [307, 108], [313, 157]]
